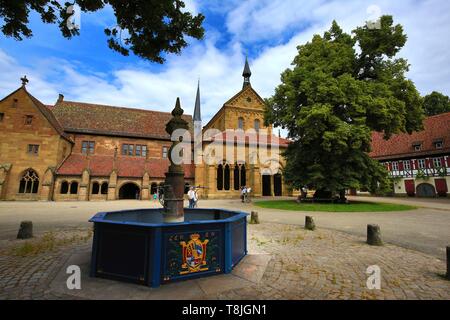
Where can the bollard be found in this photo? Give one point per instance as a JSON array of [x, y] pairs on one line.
[[448, 263], [254, 219], [309, 223], [374, 235], [26, 230]]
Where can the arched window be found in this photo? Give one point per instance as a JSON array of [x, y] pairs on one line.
[[95, 188], [29, 182], [257, 125], [236, 177], [73, 187], [104, 188], [240, 178], [219, 177], [226, 177], [64, 187], [241, 123], [243, 176]]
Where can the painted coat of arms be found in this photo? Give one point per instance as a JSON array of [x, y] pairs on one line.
[[194, 255]]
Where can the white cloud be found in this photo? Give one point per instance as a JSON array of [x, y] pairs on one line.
[[426, 24]]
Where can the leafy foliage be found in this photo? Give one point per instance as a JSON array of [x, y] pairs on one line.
[[334, 97], [436, 103], [148, 27]]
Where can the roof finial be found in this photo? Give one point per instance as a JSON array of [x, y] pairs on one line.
[[197, 113], [24, 81], [247, 73]]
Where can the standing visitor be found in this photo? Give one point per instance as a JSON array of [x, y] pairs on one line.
[[191, 197]]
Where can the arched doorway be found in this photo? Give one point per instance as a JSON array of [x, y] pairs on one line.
[[129, 191], [277, 185], [425, 190], [266, 186]]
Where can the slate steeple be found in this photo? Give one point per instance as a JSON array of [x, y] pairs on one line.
[[197, 112], [246, 74]]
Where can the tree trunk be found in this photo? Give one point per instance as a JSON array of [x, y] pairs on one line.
[[342, 198]]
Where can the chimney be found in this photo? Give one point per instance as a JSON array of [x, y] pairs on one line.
[[60, 98]]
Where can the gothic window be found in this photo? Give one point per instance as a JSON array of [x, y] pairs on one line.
[[226, 177], [241, 123], [104, 188], [236, 175], [219, 177], [73, 187], [29, 182], [95, 188], [239, 175], [243, 176], [64, 187]]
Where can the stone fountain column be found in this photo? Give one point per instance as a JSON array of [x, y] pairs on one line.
[[174, 183]]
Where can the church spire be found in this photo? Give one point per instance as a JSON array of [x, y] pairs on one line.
[[197, 113], [246, 74]]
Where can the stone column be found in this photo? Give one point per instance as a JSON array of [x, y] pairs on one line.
[[112, 186]]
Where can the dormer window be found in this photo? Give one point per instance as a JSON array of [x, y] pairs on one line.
[[438, 143], [417, 146]]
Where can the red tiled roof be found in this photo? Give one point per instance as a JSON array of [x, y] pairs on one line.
[[401, 145], [118, 121], [131, 167], [230, 136]]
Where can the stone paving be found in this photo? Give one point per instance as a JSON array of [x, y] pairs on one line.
[[300, 264]]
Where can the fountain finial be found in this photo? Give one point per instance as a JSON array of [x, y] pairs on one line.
[[174, 184]]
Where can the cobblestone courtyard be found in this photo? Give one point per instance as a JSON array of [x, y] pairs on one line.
[[300, 264]]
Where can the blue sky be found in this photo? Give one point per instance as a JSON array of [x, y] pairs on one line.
[[85, 69]]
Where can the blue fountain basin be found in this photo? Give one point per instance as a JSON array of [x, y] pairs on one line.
[[137, 246]]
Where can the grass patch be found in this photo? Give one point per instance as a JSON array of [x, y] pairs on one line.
[[48, 242], [333, 207]]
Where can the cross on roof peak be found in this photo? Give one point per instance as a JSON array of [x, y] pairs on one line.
[[24, 81]]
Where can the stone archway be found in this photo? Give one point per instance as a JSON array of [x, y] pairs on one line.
[[129, 191], [425, 190], [266, 185]]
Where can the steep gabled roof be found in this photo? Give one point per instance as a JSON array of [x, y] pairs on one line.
[[401, 145], [44, 111], [90, 118], [243, 91]]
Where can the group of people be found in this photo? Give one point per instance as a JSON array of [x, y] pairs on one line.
[[193, 197]]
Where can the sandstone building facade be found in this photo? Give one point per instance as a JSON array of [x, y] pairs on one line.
[[80, 151]]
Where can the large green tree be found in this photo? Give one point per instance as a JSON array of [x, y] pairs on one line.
[[436, 103], [150, 27], [341, 88]]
